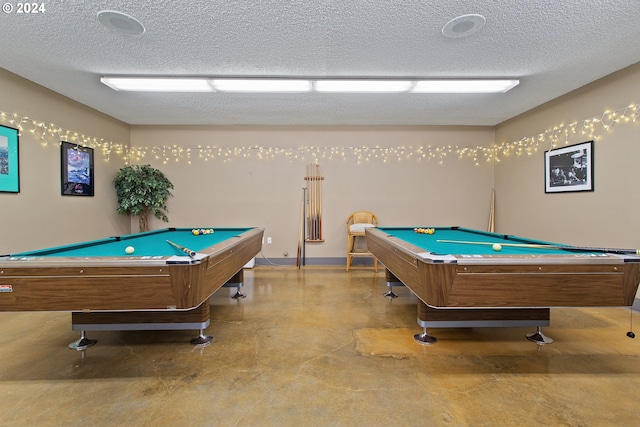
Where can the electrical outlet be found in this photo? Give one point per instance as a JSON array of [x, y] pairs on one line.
[[268, 240]]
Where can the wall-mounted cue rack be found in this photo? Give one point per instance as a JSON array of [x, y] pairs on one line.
[[313, 218]]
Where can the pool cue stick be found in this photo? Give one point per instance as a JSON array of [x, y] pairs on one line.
[[310, 201], [304, 226], [182, 248], [492, 221], [320, 178], [310, 205], [300, 230], [540, 246]]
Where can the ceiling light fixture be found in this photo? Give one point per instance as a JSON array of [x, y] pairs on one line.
[[295, 85], [463, 26], [363, 85], [158, 84], [261, 85], [120, 22], [464, 86]]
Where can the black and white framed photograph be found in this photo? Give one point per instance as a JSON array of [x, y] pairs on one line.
[[76, 165], [9, 160], [569, 168]]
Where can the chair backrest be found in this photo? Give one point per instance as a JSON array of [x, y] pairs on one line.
[[362, 217]]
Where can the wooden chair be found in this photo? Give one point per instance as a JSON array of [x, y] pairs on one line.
[[356, 225]]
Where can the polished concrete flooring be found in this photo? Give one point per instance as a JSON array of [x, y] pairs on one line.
[[321, 347]]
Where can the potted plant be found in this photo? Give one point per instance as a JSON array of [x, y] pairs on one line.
[[142, 190]]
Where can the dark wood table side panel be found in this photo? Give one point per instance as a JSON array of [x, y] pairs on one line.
[[429, 282], [222, 270], [399, 263], [196, 315], [77, 293], [186, 279], [426, 313], [436, 283], [253, 247], [631, 282], [224, 266], [536, 290]]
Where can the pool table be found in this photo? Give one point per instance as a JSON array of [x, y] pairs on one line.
[[157, 287], [471, 284]]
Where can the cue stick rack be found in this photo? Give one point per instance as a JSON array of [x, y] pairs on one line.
[[313, 209]]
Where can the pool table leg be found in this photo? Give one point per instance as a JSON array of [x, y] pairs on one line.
[[391, 282], [237, 281], [238, 294], [202, 339], [539, 338], [83, 343], [424, 338]]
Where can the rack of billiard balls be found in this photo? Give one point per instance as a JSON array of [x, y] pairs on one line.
[[424, 230], [201, 231]]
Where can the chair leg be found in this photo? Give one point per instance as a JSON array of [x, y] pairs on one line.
[[350, 244]]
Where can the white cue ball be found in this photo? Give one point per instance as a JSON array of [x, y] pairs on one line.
[[497, 247], [130, 249]]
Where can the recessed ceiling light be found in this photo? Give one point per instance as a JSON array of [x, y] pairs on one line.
[[463, 26], [120, 22]]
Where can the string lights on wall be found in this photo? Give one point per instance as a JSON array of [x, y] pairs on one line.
[[551, 138]]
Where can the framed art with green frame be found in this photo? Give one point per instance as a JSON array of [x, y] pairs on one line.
[[9, 160]]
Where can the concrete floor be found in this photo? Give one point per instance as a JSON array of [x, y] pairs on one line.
[[321, 347]]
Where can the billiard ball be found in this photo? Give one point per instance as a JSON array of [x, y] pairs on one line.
[[129, 250], [195, 232], [497, 247]]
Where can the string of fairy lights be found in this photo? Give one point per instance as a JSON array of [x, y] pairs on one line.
[[48, 133]]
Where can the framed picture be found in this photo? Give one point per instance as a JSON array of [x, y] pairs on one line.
[[569, 168], [76, 170], [9, 160]]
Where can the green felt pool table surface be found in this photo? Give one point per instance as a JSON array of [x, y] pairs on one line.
[[148, 244], [431, 242]]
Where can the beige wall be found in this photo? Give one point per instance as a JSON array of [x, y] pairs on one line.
[[608, 216], [268, 193], [243, 191], [39, 216]]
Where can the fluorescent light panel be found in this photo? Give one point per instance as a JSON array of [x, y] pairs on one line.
[[359, 85], [281, 85], [158, 84], [261, 85], [464, 86]]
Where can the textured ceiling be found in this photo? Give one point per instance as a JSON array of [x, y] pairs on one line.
[[553, 46]]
